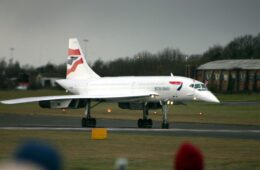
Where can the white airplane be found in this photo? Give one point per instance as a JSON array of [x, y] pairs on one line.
[[131, 92]]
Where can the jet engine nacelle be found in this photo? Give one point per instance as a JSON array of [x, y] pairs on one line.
[[138, 106], [63, 104]]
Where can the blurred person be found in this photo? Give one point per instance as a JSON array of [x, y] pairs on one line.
[[39, 153], [188, 157], [121, 163]]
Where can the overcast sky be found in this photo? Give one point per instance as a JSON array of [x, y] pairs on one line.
[[38, 30]]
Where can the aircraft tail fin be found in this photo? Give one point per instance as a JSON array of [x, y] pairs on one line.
[[77, 66]]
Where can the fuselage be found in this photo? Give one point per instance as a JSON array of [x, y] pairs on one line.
[[167, 88]]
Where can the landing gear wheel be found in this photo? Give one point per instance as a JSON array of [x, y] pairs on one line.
[[84, 122], [145, 123], [91, 122], [150, 122], [165, 125], [140, 123]]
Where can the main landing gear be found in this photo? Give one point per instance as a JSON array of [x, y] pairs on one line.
[[88, 121], [148, 123], [145, 122]]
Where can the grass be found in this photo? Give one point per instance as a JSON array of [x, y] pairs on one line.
[[239, 97], [211, 113], [143, 151]]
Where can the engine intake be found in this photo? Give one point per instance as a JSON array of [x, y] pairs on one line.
[[138, 106], [63, 104]]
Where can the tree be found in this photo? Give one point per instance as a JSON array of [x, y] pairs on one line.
[[212, 54]]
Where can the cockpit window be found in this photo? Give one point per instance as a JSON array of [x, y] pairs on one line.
[[199, 86], [203, 86]]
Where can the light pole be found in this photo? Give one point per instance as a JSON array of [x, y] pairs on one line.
[[85, 49], [12, 52]]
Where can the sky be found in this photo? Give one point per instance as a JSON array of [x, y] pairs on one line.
[[38, 30]]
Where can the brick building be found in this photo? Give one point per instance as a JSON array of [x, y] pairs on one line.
[[231, 75]]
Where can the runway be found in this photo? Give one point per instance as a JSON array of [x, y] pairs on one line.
[[133, 130], [66, 123]]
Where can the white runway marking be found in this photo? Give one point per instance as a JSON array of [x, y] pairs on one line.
[[134, 130]]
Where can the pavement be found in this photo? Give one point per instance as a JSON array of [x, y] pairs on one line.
[[66, 123]]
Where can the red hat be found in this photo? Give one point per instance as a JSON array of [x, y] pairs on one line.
[[188, 157]]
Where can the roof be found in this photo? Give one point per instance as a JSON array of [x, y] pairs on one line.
[[252, 64]]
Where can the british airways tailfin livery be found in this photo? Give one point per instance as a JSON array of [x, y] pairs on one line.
[[130, 92], [77, 67]]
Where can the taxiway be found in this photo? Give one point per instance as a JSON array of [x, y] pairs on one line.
[[66, 123]]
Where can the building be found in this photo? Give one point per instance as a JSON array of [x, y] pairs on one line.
[[231, 75], [49, 81]]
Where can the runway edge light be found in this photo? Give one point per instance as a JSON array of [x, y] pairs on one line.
[[99, 133]]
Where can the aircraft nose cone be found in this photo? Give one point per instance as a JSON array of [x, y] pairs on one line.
[[207, 96], [212, 98]]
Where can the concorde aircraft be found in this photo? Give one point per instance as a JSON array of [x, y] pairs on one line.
[[130, 92]]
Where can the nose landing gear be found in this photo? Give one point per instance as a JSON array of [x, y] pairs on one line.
[[165, 109]]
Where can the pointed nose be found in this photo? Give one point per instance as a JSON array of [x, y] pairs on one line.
[[206, 96]]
